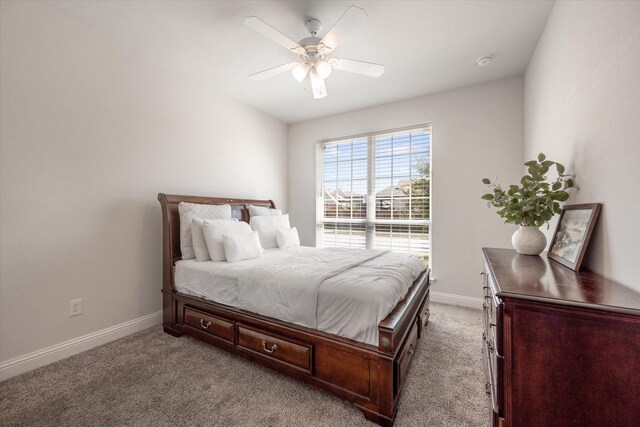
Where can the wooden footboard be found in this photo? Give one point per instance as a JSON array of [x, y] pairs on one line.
[[369, 376]]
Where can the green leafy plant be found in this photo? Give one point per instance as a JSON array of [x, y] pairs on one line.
[[534, 201]]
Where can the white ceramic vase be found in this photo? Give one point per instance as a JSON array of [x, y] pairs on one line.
[[529, 240]]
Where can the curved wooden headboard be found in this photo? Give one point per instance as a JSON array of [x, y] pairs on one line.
[[171, 225]]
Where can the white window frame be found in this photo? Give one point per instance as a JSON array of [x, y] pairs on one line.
[[370, 222]]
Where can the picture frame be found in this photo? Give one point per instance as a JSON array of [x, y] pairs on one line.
[[572, 234]]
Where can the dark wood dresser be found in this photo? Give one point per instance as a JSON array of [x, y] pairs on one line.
[[562, 348]]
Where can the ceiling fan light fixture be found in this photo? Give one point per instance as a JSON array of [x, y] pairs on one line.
[[323, 69], [300, 71], [317, 85]]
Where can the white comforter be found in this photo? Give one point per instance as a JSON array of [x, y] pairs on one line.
[[340, 291]]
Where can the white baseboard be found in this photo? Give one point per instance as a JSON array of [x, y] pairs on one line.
[[45, 356], [454, 299]]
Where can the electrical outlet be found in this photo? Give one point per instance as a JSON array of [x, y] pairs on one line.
[[75, 307]]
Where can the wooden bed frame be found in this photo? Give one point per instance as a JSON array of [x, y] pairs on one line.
[[368, 376]]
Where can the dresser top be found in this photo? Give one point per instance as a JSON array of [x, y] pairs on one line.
[[542, 279]]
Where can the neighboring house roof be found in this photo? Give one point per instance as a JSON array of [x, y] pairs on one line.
[[349, 194], [341, 195], [391, 192], [395, 190], [330, 195]]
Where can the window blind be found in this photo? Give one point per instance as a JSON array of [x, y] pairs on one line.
[[374, 191]]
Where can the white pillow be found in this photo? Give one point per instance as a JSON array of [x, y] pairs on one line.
[[262, 211], [187, 212], [287, 237], [213, 229], [197, 239], [238, 247], [266, 227]]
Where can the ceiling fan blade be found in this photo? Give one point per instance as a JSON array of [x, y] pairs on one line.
[[349, 21], [360, 67], [317, 85], [267, 30], [273, 71]]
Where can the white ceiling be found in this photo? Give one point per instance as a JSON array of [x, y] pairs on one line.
[[426, 46]]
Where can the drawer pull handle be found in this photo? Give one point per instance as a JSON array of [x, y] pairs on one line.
[[205, 326], [410, 352], [273, 347]]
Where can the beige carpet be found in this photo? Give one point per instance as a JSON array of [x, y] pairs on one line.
[[154, 379]]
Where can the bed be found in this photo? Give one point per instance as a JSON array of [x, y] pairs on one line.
[[368, 369]]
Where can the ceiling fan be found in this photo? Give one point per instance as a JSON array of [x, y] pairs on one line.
[[313, 52]]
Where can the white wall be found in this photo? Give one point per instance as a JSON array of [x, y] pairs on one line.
[[477, 131], [90, 133], [582, 108]]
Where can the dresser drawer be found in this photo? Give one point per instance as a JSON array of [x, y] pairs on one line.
[[491, 375], [294, 354], [492, 307], [209, 324], [406, 355]]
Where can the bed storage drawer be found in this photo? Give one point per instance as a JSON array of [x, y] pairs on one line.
[[406, 355], [294, 354], [209, 324]]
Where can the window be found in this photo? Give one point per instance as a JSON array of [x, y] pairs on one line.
[[374, 192]]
